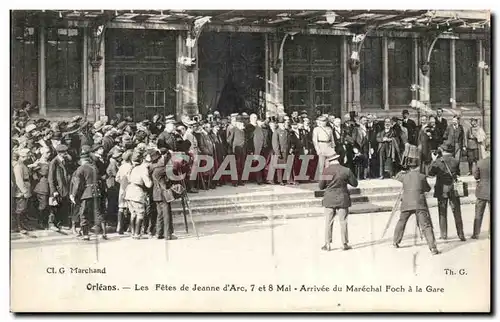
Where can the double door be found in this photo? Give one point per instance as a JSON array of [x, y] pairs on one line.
[[312, 93]]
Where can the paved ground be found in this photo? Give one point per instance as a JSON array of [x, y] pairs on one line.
[[253, 253]]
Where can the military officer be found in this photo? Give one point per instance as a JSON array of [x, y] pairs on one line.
[[323, 139], [413, 201], [167, 139], [22, 189]]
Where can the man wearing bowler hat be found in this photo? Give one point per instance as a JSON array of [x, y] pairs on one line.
[[336, 199], [59, 180]]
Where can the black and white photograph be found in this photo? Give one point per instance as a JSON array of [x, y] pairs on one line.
[[218, 160]]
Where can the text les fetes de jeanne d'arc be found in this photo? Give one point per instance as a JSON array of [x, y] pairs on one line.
[[270, 288]]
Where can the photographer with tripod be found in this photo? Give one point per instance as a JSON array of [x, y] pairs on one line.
[[446, 169], [413, 201]]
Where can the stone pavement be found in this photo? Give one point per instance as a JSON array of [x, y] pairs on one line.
[[253, 253]]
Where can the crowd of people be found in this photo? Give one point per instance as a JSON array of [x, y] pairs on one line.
[[75, 169]]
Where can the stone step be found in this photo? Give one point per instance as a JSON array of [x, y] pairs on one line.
[[361, 201], [268, 194], [277, 213]]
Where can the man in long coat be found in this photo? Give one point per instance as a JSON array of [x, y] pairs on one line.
[[336, 199], [482, 174], [281, 147]]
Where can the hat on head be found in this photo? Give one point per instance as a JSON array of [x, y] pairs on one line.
[[322, 118], [127, 155], [129, 119], [281, 119], [117, 153], [96, 147], [76, 119], [61, 148], [234, 114], [30, 128], [154, 154], [23, 152], [98, 125], [121, 125], [405, 112], [169, 119], [106, 128], [353, 114], [286, 117], [57, 136]]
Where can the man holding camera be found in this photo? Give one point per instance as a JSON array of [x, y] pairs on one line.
[[446, 169]]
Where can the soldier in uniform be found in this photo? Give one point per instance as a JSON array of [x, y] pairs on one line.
[[167, 139], [22, 189], [59, 180], [337, 198], [323, 139], [85, 193], [413, 201]]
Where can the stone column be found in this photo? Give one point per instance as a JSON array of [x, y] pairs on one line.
[[85, 72], [274, 81], [385, 72], [186, 78], [453, 75], [96, 87], [42, 103], [424, 79], [344, 94]]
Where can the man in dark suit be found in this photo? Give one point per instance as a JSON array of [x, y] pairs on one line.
[[236, 141], [411, 127], [168, 138], [446, 168], [59, 180], [85, 194], [426, 142], [337, 199], [441, 126], [361, 149], [281, 147], [413, 201], [372, 128], [454, 135], [262, 146], [482, 175]]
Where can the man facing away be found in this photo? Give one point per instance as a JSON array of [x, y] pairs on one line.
[[482, 174], [446, 170], [413, 201], [337, 199]]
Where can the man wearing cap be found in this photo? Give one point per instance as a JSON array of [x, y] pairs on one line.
[[471, 136], [59, 181], [413, 201], [446, 169], [323, 139], [162, 196], [121, 179], [40, 173], [482, 173], [167, 139], [262, 142], [112, 188], [85, 194], [22, 189], [336, 199]]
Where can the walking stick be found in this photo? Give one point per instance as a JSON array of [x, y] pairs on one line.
[[394, 209]]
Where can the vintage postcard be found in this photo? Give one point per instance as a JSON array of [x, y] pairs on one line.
[[250, 160]]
